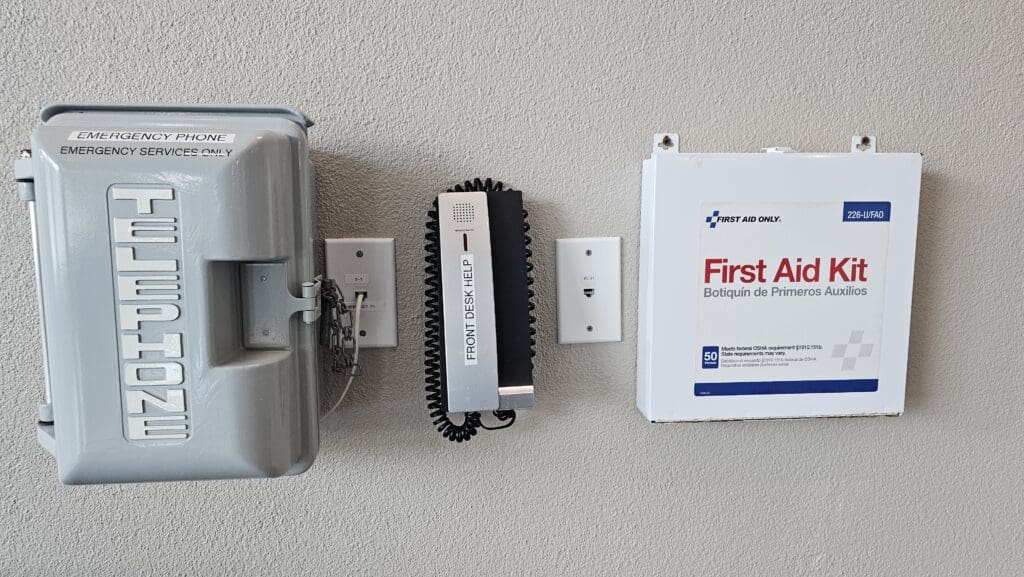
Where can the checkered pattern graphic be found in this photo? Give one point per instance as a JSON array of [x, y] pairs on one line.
[[712, 220], [853, 350]]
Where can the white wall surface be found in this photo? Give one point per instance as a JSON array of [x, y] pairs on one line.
[[560, 99]]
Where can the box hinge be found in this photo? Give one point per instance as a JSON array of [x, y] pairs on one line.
[[46, 437], [311, 301], [24, 176]]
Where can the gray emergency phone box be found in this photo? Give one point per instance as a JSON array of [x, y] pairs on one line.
[[174, 249]]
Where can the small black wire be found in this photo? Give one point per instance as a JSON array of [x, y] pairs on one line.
[[507, 418]]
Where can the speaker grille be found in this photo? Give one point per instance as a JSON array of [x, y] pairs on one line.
[[463, 212]]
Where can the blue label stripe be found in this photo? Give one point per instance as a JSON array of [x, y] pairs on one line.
[[880, 211], [785, 387]]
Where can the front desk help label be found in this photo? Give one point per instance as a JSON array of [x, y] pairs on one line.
[[790, 297]]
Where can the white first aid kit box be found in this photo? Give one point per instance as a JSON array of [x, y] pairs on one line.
[[775, 284]]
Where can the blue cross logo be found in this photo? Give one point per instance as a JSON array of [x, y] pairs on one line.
[[712, 220]]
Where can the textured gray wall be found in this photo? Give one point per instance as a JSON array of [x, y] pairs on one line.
[[560, 100]]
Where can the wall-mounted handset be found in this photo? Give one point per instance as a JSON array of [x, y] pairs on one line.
[[479, 323]]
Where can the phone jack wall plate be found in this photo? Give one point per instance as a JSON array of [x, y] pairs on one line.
[[589, 279], [367, 265]]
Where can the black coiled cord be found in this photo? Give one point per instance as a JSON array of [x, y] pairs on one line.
[[432, 325], [529, 286]]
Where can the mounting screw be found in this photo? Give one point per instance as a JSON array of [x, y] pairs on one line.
[[359, 254], [590, 328], [864, 143], [666, 142], [362, 333], [589, 252], [25, 153]]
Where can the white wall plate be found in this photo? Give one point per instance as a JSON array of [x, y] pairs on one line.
[[589, 278], [367, 264]]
